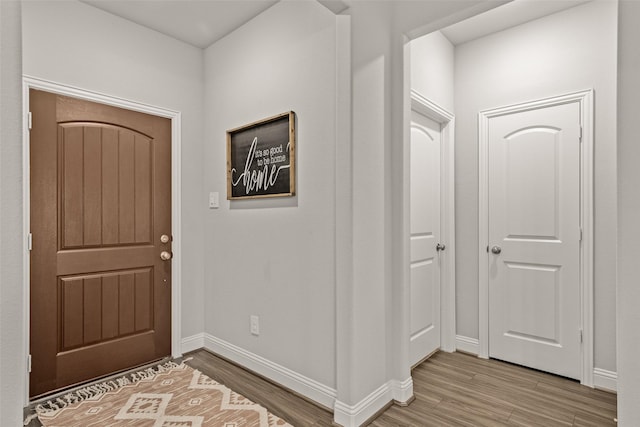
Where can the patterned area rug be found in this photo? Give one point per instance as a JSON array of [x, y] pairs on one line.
[[170, 396]]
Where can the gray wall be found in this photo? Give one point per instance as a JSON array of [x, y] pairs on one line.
[[142, 65], [569, 51], [628, 215], [66, 42], [12, 364], [275, 257], [433, 69]]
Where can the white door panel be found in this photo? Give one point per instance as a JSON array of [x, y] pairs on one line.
[[422, 294], [421, 247], [534, 217], [425, 235]]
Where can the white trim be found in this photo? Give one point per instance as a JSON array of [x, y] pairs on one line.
[[26, 224], [356, 415], [176, 195], [194, 342], [467, 345], [425, 106], [605, 380], [585, 100], [435, 112], [305, 386], [401, 391]]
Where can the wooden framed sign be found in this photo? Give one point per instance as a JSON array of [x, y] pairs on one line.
[[261, 158]]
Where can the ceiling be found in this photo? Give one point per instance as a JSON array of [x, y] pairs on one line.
[[197, 22], [506, 16], [203, 22]]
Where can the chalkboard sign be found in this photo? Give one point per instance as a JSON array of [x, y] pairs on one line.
[[261, 158]]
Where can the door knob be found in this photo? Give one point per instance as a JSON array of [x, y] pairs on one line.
[[440, 247], [165, 239], [165, 255], [496, 250]]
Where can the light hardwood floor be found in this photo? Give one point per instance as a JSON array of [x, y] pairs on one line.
[[456, 389], [451, 389]]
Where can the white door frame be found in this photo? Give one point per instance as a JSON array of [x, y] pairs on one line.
[[585, 100], [176, 227], [433, 111]]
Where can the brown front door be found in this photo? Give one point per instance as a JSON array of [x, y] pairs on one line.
[[100, 202]]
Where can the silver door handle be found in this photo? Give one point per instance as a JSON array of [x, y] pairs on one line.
[[440, 247], [165, 255], [496, 250]]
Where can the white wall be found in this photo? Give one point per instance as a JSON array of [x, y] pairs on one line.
[[12, 363], [569, 51], [75, 44], [628, 214], [371, 210], [373, 361], [374, 366], [284, 59], [432, 69], [275, 257]]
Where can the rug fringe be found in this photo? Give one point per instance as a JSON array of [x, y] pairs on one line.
[[29, 419], [99, 389]]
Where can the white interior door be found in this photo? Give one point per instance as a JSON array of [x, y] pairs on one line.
[[534, 239], [425, 236]]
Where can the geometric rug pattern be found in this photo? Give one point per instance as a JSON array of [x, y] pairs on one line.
[[178, 397]]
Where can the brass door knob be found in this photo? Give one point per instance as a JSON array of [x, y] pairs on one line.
[[166, 255]]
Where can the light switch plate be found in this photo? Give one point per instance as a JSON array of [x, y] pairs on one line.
[[214, 200]]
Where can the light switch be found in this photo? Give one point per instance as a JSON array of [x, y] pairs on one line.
[[214, 200]]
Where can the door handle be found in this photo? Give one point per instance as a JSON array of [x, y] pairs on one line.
[[440, 247], [496, 250], [166, 255]]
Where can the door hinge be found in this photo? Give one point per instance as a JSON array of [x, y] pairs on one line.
[[29, 363], [581, 337], [29, 120], [580, 134], [581, 234], [30, 241], [487, 248]]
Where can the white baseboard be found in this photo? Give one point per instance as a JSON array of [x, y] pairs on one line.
[[194, 342], [401, 391], [606, 380], [320, 393], [602, 379], [468, 345], [355, 415]]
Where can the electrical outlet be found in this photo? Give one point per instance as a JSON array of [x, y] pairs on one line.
[[255, 325]]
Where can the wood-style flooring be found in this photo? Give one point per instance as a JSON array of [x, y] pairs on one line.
[[456, 389], [451, 389], [283, 403]]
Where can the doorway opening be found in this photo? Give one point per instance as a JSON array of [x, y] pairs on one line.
[[478, 66], [432, 229], [536, 234], [89, 216]]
